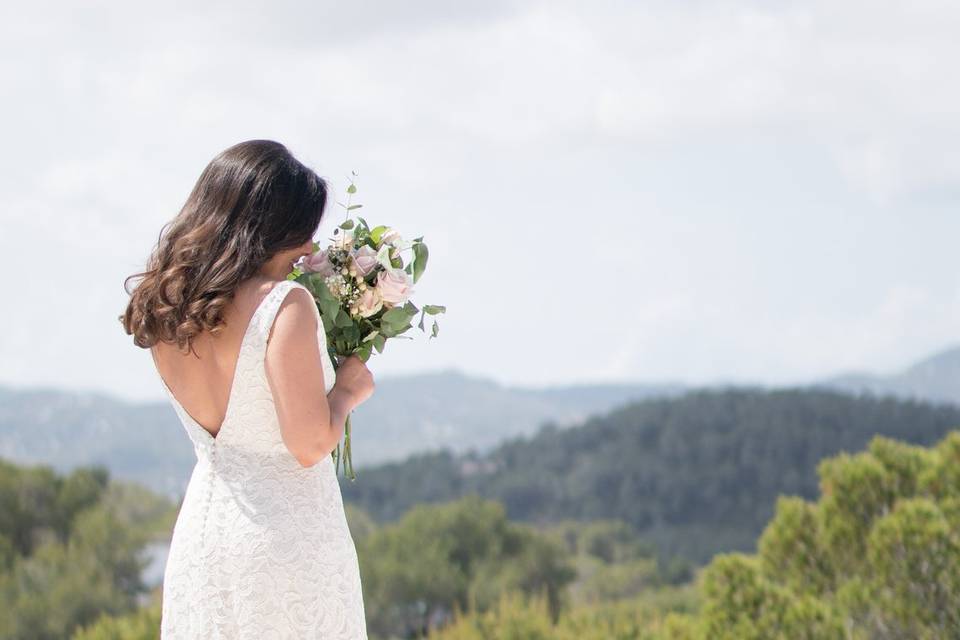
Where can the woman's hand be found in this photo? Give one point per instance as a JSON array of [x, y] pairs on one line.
[[354, 379]]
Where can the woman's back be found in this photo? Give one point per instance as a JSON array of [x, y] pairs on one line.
[[201, 379], [261, 546]]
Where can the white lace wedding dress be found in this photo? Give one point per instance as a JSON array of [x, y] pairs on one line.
[[261, 549]]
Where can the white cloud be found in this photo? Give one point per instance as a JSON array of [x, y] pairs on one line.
[[688, 190]]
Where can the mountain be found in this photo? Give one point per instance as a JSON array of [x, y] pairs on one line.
[[145, 442], [141, 442], [450, 410], [935, 379], [408, 415], [695, 474]]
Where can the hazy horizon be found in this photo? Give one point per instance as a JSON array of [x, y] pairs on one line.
[[385, 378]]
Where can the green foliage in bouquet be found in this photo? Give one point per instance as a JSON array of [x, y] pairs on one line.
[[362, 287]]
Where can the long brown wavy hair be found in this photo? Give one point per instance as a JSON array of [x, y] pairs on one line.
[[252, 201]]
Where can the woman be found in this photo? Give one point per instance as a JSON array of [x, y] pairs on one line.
[[261, 548]]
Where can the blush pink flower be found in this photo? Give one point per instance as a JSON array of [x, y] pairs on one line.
[[317, 262], [365, 259], [394, 285]]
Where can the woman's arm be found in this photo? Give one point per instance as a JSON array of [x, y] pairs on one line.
[[311, 421]]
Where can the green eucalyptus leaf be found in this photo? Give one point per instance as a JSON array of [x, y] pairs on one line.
[[434, 309], [387, 330], [396, 316], [352, 333], [364, 351], [354, 206], [436, 328], [346, 224], [377, 232], [421, 254], [328, 303], [352, 188], [330, 308], [328, 326]]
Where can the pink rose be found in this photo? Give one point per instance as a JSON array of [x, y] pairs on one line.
[[394, 285], [365, 259], [317, 263]]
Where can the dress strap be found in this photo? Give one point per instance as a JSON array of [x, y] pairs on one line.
[[267, 312]]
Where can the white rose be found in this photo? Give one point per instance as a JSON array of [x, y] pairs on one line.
[[369, 302], [391, 237], [343, 239]]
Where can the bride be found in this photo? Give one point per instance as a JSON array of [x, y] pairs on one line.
[[261, 548]]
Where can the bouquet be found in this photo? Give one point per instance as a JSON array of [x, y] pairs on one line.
[[362, 287]]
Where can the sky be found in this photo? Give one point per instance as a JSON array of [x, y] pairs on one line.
[[700, 192]]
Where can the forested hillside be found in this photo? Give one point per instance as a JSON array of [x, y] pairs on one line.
[[876, 557], [696, 474], [144, 442]]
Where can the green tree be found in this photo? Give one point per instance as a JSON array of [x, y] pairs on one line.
[[877, 557], [70, 548], [60, 586], [142, 624], [466, 552], [519, 616]]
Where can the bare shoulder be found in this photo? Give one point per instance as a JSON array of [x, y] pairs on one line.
[[296, 318], [293, 346]]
